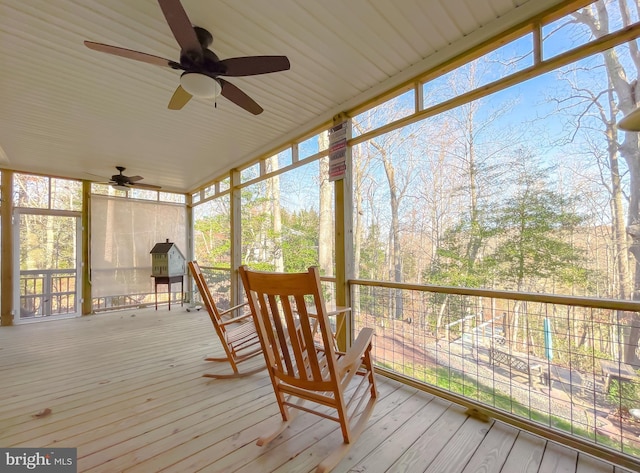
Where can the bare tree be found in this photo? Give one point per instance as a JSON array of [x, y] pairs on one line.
[[361, 183], [398, 153], [623, 96], [273, 196], [325, 232]]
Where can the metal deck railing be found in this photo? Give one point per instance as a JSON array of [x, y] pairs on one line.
[[553, 365]]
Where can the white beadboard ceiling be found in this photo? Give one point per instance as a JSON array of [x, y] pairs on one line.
[[69, 111]]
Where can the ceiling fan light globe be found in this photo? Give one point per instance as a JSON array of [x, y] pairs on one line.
[[200, 85]]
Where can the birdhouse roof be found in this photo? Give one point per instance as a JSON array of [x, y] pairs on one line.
[[163, 248]]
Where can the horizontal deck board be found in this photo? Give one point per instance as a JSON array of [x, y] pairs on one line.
[[125, 389]]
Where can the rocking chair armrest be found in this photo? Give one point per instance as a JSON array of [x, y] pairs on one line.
[[231, 309], [355, 352], [235, 320]]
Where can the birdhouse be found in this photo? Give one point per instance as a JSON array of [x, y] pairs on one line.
[[167, 260]]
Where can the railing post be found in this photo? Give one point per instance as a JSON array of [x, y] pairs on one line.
[[47, 290]]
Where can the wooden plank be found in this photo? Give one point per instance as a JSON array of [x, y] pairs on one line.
[[180, 418], [122, 455], [131, 413], [558, 459], [28, 428], [87, 379], [421, 437], [526, 454], [39, 392], [105, 385], [619, 469], [35, 365], [493, 451], [457, 452], [381, 428], [589, 464]]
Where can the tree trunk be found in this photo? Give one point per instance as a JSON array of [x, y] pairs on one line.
[[358, 224], [395, 258], [626, 90], [617, 207], [273, 196], [514, 327], [325, 232], [443, 306]]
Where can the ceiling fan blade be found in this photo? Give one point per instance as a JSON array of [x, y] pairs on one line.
[[140, 185], [254, 65], [134, 178], [179, 99], [231, 92], [181, 28], [130, 54]]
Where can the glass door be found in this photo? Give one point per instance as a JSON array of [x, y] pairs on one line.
[[48, 279]]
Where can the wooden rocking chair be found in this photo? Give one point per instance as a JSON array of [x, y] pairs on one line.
[[304, 364], [237, 333]]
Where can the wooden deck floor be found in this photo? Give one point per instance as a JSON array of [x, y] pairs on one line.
[[125, 389]]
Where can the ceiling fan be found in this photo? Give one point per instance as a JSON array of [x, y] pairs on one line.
[[202, 68], [124, 183]]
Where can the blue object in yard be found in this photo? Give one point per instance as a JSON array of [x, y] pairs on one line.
[[548, 341]]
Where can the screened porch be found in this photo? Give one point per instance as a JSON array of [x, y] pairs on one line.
[[481, 216]]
